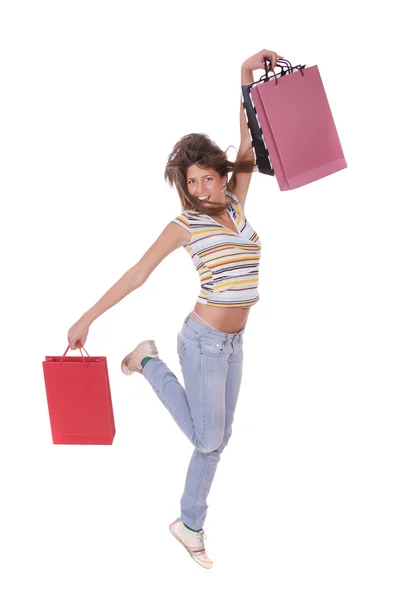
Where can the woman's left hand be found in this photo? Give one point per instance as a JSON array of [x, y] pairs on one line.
[[257, 60]]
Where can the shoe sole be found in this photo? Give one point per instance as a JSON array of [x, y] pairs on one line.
[[187, 549], [124, 365]]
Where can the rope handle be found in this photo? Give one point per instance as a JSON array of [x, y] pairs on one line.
[[84, 361], [281, 60]]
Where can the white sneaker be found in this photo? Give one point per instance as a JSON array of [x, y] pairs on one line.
[[132, 361], [193, 542]]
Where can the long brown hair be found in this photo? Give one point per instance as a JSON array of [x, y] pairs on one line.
[[199, 149]]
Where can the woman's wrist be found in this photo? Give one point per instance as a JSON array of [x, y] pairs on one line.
[[87, 318]]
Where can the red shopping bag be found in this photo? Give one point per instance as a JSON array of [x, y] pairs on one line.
[[298, 127], [79, 399]]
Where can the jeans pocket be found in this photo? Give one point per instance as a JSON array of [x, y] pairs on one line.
[[211, 348]]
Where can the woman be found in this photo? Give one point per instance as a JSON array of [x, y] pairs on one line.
[[226, 250]]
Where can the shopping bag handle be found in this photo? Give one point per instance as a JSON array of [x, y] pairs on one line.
[[84, 361], [291, 71], [290, 68], [265, 76], [284, 60], [280, 60]]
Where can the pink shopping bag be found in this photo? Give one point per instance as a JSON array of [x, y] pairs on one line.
[[298, 127]]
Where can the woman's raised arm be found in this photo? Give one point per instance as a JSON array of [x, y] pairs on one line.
[[242, 180], [251, 64]]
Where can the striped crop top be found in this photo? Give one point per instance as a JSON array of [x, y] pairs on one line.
[[226, 262]]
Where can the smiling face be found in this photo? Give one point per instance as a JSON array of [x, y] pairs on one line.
[[206, 185]]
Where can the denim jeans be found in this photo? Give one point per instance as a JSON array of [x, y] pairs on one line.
[[211, 363]]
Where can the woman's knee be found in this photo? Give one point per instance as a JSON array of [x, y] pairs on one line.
[[208, 449], [210, 443], [220, 446]]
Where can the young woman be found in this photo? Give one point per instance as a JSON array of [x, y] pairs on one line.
[[226, 251]]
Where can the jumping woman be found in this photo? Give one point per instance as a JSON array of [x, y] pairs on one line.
[[225, 250]]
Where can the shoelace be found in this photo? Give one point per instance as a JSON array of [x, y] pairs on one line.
[[200, 536]]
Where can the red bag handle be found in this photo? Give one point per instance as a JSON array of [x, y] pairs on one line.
[[284, 60], [280, 60], [85, 362]]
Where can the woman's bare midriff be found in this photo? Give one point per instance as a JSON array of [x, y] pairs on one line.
[[228, 320]]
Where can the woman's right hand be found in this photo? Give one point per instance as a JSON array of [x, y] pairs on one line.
[[257, 60], [78, 333]]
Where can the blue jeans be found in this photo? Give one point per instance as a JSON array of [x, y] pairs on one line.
[[211, 363]]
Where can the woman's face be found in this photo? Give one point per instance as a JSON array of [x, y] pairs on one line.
[[206, 185]]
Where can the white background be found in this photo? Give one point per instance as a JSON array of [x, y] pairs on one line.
[[305, 500]]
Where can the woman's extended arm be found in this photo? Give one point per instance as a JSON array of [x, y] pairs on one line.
[[129, 282], [171, 238]]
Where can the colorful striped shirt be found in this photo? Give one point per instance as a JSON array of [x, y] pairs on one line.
[[226, 262]]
